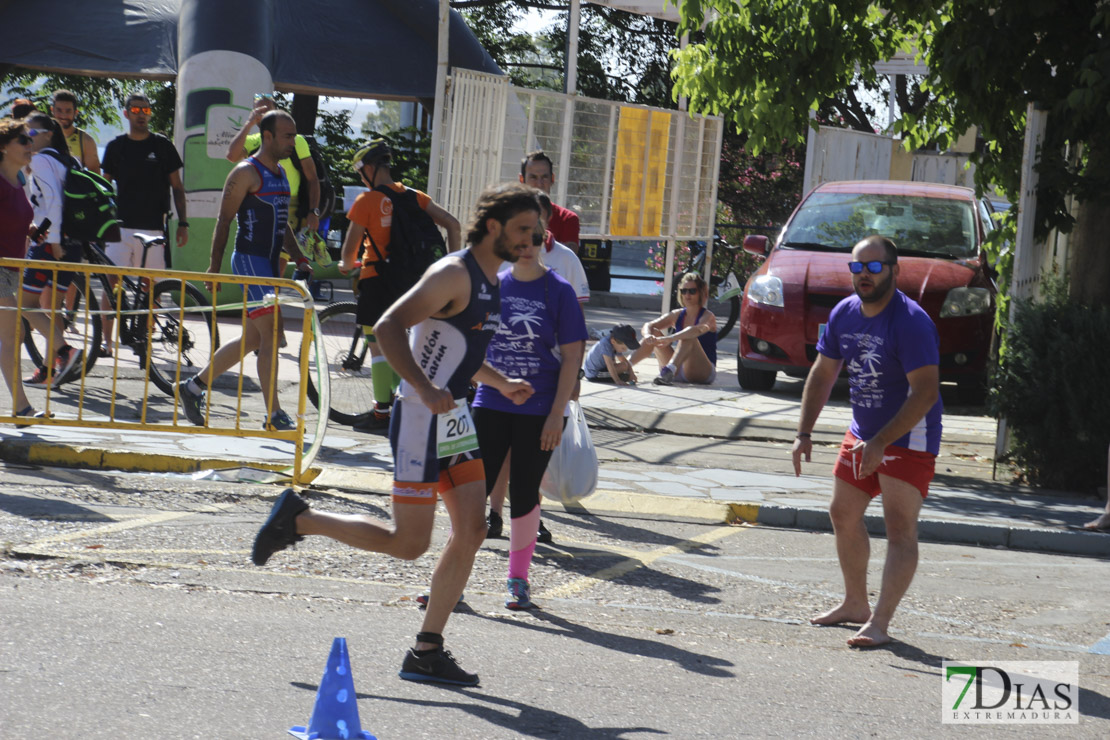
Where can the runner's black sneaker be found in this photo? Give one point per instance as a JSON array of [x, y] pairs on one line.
[[375, 420], [280, 529], [495, 525], [191, 403], [543, 535], [422, 599], [438, 666]]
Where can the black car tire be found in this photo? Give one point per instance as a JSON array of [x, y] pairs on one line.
[[754, 380]]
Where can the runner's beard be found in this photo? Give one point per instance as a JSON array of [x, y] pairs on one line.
[[879, 289], [502, 250]]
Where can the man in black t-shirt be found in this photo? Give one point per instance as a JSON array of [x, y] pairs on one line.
[[145, 166]]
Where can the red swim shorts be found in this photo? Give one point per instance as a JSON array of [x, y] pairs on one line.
[[912, 466]]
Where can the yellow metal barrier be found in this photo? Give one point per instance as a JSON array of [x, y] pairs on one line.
[[169, 323]]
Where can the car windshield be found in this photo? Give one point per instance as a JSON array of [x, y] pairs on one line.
[[919, 226]]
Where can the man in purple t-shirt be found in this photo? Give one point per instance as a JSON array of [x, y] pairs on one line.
[[891, 349]]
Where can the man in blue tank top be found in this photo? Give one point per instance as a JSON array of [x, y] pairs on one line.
[[890, 348], [435, 337], [256, 193]]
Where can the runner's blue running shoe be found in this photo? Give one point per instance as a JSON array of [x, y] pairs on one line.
[[521, 594]]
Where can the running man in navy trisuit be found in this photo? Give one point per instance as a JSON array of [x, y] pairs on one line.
[[257, 195], [450, 317]]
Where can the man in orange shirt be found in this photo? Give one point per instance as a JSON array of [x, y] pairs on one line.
[[371, 225]]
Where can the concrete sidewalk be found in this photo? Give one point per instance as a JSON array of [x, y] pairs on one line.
[[964, 506]]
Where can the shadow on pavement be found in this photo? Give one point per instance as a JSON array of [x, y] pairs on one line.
[[611, 527], [525, 719], [32, 507], [707, 665]]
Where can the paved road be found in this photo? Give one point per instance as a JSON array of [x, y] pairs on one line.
[[129, 610]]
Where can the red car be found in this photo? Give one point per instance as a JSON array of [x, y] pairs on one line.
[[939, 231]]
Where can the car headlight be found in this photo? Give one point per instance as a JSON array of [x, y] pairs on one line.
[[966, 302], [766, 289]]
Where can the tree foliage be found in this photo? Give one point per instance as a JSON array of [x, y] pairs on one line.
[[764, 64], [101, 99], [1055, 405], [621, 56]]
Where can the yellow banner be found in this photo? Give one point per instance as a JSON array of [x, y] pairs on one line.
[[643, 138]]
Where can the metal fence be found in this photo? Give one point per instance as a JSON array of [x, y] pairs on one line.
[[629, 171], [162, 346]]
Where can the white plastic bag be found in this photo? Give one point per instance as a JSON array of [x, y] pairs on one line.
[[572, 473]]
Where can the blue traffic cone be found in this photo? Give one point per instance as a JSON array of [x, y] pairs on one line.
[[335, 716]]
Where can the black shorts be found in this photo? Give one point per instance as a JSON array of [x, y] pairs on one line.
[[501, 431], [375, 296]]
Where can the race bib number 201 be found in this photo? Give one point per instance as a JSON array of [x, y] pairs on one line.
[[455, 431]]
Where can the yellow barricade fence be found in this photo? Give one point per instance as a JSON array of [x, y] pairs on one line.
[[172, 335]]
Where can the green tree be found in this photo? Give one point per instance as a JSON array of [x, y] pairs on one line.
[[764, 64], [386, 117], [101, 98]]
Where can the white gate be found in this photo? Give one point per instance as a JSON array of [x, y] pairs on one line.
[[630, 172], [843, 154], [475, 130], [950, 169]]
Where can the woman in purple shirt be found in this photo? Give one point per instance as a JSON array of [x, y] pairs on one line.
[[540, 340], [15, 224]]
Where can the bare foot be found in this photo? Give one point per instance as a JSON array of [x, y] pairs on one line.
[[842, 614], [869, 636], [1102, 524]]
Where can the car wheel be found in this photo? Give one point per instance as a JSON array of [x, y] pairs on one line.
[[754, 380]]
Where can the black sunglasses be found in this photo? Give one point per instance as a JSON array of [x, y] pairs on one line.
[[688, 291], [23, 139], [874, 267]]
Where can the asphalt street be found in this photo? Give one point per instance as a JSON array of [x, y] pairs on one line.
[[130, 610]]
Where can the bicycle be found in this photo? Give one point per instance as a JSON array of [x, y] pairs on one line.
[[347, 353], [728, 288], [178, 320]]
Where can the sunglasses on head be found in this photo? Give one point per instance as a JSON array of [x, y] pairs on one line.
[[688, 291], [874, 267], [33, 132], [144, 109]]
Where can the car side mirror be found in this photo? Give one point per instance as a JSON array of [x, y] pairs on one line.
[[756, 244]]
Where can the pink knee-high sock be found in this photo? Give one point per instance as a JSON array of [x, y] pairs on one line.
[[522, 542]]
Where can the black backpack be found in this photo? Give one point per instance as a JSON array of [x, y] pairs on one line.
[[415, 242], [88, 203], [327, 188]]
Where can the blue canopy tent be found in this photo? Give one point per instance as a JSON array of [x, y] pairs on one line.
[[222, 52], [383, 49]]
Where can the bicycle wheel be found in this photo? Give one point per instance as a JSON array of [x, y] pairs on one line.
[[81, 331], [180, 320], [732, 309], [348, 357], [727, 310]]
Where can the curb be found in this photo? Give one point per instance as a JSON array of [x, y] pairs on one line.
[[701, 511], [737, 428], [600, 503], [54, 454]]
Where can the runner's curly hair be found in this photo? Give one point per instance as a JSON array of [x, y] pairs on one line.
[[501, 202]]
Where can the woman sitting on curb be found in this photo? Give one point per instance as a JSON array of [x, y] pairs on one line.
[[694, 360]]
